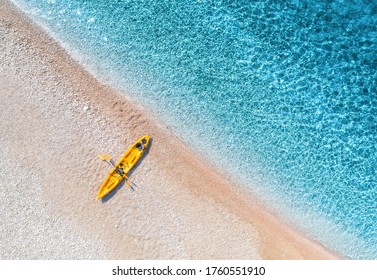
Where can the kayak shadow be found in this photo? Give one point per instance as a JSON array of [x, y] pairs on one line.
[[132, 185]]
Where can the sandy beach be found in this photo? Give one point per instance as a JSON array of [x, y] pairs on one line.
[[56, 118]]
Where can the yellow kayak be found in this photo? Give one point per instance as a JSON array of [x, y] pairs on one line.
[[124, 165]]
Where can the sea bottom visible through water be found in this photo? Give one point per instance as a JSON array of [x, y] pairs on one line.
[[281, 96]]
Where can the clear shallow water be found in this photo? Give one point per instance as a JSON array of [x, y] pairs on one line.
[[289, 88]]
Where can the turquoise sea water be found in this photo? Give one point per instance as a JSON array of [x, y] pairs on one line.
[[282, 95]]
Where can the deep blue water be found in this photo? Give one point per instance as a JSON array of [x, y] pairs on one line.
[[281, 96]]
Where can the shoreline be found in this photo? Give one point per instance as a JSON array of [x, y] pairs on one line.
[[183, 209]]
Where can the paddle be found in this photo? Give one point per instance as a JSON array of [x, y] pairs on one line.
[[130, 180], [106, 158]]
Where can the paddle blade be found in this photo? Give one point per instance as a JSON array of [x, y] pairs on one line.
[[107, 157], [129, 181]]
